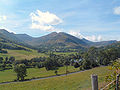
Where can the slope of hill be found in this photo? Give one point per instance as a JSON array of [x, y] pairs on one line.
[[53, 41], [62, 39], [10, 41], [59, 42], [113, 45], [9, 36], [24, 37], [104, 43]]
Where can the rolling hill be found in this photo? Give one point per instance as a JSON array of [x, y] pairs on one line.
[[9, 36], [53, 41], [10, 41], [58, 40]]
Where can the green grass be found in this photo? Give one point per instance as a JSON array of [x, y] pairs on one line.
[[7, 75], [22, 54], [64, 53], [78, 81], [33, 73]]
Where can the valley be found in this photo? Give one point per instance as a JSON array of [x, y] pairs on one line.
[[53, 55]]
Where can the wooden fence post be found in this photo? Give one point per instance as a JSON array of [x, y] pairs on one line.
[[117, 82], [94, 81]]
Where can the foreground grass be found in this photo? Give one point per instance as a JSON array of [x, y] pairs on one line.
[[77, 81], [10, 75]]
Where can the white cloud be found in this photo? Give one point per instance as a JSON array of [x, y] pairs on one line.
[[99, 38], [76, 34], [94, 38], [3, 18], [44, 21], [91, 38], [117, 10]]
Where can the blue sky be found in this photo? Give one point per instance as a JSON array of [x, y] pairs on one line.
[[95, 20]]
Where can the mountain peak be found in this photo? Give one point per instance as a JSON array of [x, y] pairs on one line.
[[53, 33], [58, 39]]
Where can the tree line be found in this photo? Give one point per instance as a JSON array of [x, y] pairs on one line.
[[91, 58]]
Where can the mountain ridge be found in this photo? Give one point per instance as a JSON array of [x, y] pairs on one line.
[[57, 40]]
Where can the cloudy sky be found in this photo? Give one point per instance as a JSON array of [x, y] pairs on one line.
[[95, 20]]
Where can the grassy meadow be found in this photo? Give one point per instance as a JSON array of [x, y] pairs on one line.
[[33, 73], [77, 81], [22, 54]]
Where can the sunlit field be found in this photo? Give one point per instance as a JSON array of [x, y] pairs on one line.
[[77, 81], [22, 54], [34, 73]]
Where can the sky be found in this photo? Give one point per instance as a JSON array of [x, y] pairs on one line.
[[95, 20]]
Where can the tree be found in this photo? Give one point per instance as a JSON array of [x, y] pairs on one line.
[[115, 68], [6, 60], [12, 59], [51, 64], [21, 71], [1, 46], [56, 72], [90, 58], [86, 64], [76, 65], [1, 59], [3, 66], [67, 62], [39, 65]]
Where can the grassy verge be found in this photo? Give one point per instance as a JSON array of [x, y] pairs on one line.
[[77, 81]]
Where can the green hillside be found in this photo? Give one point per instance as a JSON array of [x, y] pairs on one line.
[[57, 42]]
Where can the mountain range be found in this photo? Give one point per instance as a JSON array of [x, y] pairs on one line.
[[53, 40]]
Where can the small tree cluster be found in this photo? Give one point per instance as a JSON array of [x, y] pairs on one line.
[[21, 71]]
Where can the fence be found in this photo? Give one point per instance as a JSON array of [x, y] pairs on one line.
[[94, 81]]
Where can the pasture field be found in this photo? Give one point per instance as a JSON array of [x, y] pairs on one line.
[[65, 53], [22, 54], [76, 81], [10, 75]]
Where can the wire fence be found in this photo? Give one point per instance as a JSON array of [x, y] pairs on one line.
[[94, 79]]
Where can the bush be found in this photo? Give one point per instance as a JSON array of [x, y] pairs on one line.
[[76, 65], [3, 51]]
